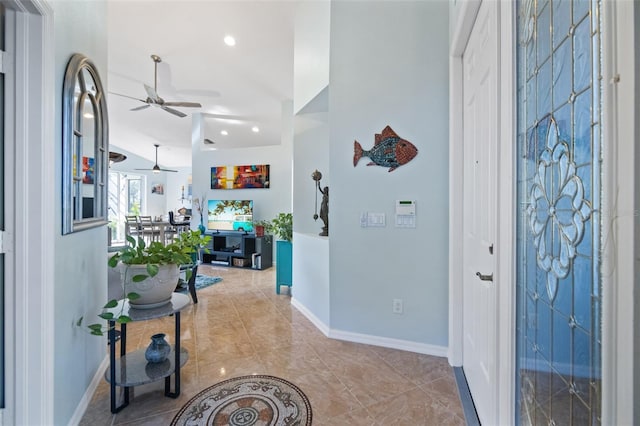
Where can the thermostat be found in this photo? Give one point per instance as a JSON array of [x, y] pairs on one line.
[[405, 214]]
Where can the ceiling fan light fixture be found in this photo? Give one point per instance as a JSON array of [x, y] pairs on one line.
[[156, 168]]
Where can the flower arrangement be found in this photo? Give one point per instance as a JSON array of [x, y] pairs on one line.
[[201, 205]]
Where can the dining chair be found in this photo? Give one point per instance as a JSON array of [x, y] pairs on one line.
[[148, 230], [132, 226], [180, 226]]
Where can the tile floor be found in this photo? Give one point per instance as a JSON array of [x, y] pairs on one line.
[[240, 327]]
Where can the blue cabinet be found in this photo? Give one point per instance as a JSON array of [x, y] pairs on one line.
[[284, 264]]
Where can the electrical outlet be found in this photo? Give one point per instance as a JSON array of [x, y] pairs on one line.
[[397, 306]]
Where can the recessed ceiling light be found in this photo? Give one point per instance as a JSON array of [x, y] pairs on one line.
[[255, 129], [224, 132], [229, 40], [87, 115]]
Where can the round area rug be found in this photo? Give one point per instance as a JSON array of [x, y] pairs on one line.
[[247, 401]]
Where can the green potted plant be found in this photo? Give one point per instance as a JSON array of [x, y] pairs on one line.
[[150, 273], [282, 227], [262, 227], [196, 241]]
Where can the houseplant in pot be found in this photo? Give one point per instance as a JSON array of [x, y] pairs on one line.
[[149, 275], [262, 227], [151, 271]]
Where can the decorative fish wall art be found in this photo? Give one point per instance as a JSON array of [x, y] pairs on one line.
[[389, 150]]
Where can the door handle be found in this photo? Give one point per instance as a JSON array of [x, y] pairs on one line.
[[484, 277]]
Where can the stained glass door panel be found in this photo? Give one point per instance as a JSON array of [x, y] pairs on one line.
[[558, 237]]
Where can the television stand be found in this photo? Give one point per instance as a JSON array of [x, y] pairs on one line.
[[239, 249]]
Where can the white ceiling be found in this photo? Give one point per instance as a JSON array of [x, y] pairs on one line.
[[239, 87]]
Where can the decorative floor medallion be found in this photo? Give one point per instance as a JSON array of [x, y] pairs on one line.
[[247, 401]]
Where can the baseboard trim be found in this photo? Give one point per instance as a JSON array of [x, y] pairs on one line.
[[88, 394], [387, 342], [368, 339], [310, 316], [469, 409]]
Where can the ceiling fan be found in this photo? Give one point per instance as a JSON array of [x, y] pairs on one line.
[[154, 99], [156, 168]]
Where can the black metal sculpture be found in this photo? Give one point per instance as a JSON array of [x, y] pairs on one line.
[[324, 205]]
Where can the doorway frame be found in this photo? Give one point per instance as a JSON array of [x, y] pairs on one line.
[[30, 189], [620, 375]]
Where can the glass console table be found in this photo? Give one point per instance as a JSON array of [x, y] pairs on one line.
[[132, 369]]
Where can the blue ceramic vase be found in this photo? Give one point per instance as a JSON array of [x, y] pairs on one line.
[[158, 350], [202, 228]]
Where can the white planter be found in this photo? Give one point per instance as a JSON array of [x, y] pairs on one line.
[[153, 291]]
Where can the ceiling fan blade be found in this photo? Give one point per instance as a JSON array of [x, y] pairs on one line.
[[158, 169], [151, 92], [127, 96], [183, 104], [140, 107], [174, 111]]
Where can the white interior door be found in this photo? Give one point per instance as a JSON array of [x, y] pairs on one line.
[[480, 94]]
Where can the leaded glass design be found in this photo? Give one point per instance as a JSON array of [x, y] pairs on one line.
[[558, 237]]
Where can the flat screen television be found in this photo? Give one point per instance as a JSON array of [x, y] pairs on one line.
[[230, 215]]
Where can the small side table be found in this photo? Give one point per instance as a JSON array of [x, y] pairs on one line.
[[132, 369]]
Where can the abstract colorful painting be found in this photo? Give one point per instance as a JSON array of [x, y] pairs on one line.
[[88, 170], [219, 177], [240, 177], [253, 176]]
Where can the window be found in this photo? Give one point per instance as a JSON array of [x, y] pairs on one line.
[[125, 198]]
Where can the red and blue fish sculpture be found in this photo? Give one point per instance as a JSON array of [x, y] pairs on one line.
[[389, 150]]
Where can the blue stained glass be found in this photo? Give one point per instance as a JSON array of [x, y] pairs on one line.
[[562, 74], [543, 90], [560, 246], [585, 248], [544, 330], [529, 352], [530, 60], [561, 20], [530, 316], [563, 119], [563, 302], [561, 341], [580, 9], [582, 56], [582, 298], [541, 284], [531, 102], [540, 4], [584, 173], [582, 150], [581, 352], [542, 34]]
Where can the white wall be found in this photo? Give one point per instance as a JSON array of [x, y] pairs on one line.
[[389, 66], [311, 51], [80, 279], [267, 203], [155, 204]]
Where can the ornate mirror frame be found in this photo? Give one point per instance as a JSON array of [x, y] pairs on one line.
[[85, 147]]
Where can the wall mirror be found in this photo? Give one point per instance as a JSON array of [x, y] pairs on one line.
[[85, 147]]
